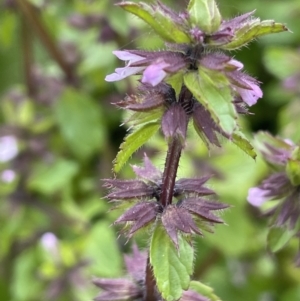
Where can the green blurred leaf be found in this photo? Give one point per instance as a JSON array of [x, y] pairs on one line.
[[80, 122], [244, 144], [293, 171], [101, 247], [281, 61], [278, 237], [212, 90], [7, 28], [203, 290], [205, 15], [24, 285], [263, 138], [48, 179], [133, 142], [289, 121], [159, 20], [172, 268], [252, 30]]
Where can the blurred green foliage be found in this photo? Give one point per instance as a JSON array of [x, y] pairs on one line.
[[63, 135]]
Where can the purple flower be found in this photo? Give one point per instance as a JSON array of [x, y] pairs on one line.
[[279, 185], [156, 66], [122, 73]]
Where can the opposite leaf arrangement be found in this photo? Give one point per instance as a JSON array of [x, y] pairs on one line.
[[192, 80]]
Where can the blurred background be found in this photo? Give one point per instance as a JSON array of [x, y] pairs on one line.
[[59, 134]]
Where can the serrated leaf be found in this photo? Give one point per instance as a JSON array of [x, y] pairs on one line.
[[172, 268], [204, 290], [133, 142], [252, 31], [205, 15], [79, 120], [212, 90], [140, 118], [278, 237], [244, 144], [160, 21], [293, 171]]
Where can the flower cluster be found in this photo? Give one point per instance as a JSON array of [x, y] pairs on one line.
[[189, 212], [283, 185], [156, 66], [175, 113]]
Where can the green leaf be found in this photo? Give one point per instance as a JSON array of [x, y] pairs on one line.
[[139, 118], [133, 142], [281, 61], [211, 88], [161, 22], [205, 15], [293, 171], [203, 290], [172, 268], [244, 144], [278, 237], [253, 30], [103, 250], [48, 179], [79, 119]]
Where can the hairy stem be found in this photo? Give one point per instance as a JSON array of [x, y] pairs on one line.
[[173, 155], [150, 283], [170, 171]]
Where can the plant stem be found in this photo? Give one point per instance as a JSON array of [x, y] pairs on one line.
[[170, 171], [150, 283], [173, 156], [31, 15]]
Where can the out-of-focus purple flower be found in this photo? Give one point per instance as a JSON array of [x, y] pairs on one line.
[[279, 185], [8, 148], [274, 187], [49, 242], [8, 175]]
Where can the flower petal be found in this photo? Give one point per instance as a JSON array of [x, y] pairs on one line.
[[257, 196], [121, 73], [155, 73], [127, 56]]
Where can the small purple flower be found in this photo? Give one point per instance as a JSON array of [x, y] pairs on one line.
[[122, 73], [8, 176], [155, 73]]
